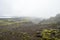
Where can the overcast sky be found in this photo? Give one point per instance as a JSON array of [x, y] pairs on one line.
[[29, 8]]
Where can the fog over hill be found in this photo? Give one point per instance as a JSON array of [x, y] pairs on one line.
[[33, 19], [51, 20]]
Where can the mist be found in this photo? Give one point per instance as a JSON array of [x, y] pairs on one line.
[[29, 8]]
